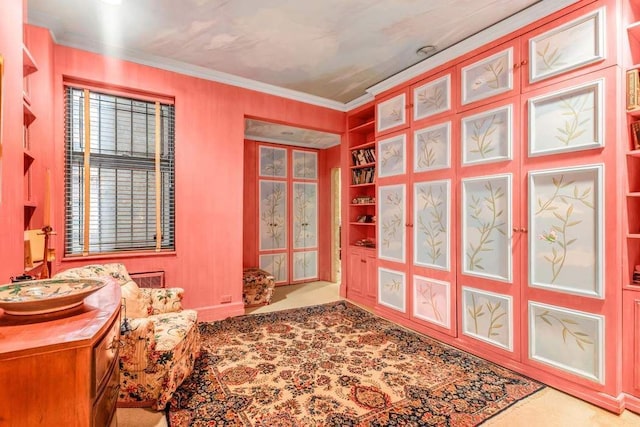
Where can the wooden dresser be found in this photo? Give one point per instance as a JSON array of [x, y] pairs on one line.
[[61, 369]]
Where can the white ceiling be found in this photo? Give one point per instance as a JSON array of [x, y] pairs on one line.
[[327, 52]]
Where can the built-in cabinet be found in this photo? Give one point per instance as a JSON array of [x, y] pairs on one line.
[[499, 205], [359, 226], [288, 213]]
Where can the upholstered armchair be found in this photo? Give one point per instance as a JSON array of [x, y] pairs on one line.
[[159, 342]]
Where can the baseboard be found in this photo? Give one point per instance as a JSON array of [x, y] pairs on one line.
[[219, 312]]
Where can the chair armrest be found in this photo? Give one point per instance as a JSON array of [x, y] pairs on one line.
[[137, 344], [164, 300]]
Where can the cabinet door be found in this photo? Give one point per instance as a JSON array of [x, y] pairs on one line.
[[305, 164], [432, 96], [431, 227], [356, 279], [370, 285], [486, 227], [276, 264], [305, 215], [272, 211], [392, 222], [391, 113], [305, 265], [272, 162], [489, 76], [568, 47]]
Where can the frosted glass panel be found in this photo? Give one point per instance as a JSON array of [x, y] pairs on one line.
[[276, 264], [486, 137], [432, 148], [488, 316], [391, 289], [305, 265], [488, 77], [305, 164], [432, 300], [486, 227], [391, 224], [273, 215], [273, 162], [567, 339], [566, 230], [432, 232], [305, 215], [567, 47]]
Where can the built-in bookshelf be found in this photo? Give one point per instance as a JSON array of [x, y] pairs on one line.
[[362, 191], [28, 67]]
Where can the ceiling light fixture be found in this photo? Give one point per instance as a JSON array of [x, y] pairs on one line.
[[427, 50], [112, 2]]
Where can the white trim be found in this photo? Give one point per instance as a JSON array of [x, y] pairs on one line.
[[508, 321], [447, 320], [403, 291]]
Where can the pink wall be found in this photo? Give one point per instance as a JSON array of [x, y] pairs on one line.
[[11, 201], [209, 170]]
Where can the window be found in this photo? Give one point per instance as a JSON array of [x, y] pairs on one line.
[[119, 174]]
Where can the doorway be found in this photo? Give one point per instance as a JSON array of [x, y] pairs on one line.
[[336, 227]]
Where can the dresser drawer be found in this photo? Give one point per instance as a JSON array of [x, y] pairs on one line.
[[105, 354], [105, 407]]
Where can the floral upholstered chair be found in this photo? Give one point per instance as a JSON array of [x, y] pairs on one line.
[[162, 342]]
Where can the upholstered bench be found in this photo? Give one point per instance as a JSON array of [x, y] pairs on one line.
[[258, 287]]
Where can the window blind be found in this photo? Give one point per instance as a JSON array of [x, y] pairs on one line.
[[120, 174]]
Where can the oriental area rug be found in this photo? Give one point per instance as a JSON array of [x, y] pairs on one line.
[[337, 365]]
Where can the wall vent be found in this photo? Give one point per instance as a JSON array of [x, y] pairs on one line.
[[149, 279]]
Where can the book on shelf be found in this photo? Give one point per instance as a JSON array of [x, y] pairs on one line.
[[632, 89], [363, 176], [363, 156], [635, 135]]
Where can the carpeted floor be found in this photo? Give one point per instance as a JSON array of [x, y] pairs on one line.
[[337, 365]]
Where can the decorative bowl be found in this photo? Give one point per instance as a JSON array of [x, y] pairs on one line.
[[47, 295]]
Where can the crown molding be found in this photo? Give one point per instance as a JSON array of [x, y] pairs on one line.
[[196, 71], [502, 28]]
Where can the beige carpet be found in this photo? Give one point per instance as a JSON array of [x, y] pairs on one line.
[[547, 408]]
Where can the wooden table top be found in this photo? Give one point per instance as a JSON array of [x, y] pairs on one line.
[[20, 335]]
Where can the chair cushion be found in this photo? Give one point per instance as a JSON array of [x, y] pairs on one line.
[[137, 304]]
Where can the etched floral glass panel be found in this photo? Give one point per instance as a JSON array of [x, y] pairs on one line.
[[273, 215], [391, 289], [567, 47], [305, 164], [391, 113], [391, 222], [276, 264], [486, 227], [273, 161], [566, 230], [431, 225], [391, 156], [305, 265], [432, 98], [569, 120], [488, 317], [567, 339], [305, 215], [488, 77], [486, 137], [432, 148], [432, 300]]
